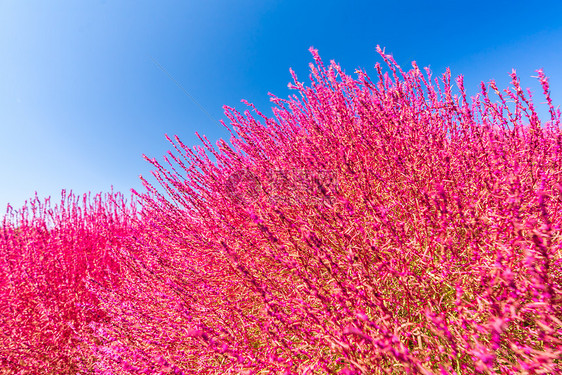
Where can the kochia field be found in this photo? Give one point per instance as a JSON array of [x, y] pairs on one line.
[[371, 226]]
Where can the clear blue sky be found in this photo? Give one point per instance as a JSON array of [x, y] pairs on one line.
[[81, 99]]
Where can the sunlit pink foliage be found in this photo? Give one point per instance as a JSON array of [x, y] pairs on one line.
[[47, 254], [368, 227]]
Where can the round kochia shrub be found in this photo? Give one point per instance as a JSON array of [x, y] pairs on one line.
[[388, 227]]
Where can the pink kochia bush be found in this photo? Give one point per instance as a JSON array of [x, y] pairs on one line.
[[46, 253], [387, 227], [367, 228]]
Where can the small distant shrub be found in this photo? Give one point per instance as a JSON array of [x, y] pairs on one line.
[[46, 255]]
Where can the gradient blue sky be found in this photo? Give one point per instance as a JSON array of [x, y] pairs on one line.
[[81, 100]]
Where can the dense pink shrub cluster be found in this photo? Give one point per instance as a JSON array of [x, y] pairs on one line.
[[388, 227], [47, 254]]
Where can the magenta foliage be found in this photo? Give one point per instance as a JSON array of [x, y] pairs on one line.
[[48, 255], [388, 227], [366, 228]]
